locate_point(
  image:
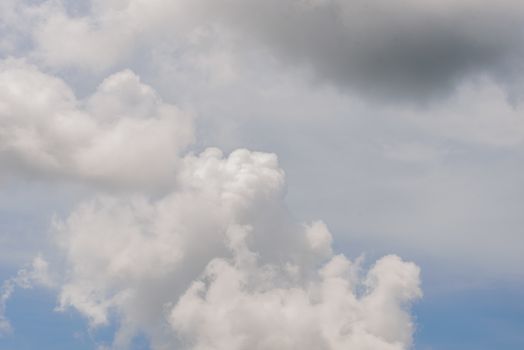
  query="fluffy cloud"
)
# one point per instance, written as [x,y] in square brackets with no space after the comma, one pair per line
[241,305]
[213,259]
[219,263]
[151,248]
[222,263]
[121,135]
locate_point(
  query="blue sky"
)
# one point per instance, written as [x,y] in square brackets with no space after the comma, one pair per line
[247,174]
[486,319]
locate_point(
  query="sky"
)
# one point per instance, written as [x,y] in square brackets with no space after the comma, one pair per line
[248,174]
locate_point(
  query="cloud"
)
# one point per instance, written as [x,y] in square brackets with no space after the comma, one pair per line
[239,304]
[93,35]
[151,248]
[15,25]
[122,135]
[37,274]
[478,114]
[223,241]
[410,50]
[213,259]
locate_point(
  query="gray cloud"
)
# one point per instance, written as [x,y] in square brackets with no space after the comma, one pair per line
[408,49]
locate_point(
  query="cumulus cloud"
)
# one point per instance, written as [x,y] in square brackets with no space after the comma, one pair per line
[239,304]
[214,259]
[123,134]
[151,247]
[210,264]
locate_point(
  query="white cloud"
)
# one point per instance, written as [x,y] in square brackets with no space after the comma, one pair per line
[100,35]
[136,257]
[241,305]
[122,135]
[158,243]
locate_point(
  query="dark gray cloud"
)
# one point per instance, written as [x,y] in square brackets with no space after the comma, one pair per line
[403,49]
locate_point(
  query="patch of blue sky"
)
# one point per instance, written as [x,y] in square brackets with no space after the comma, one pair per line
[36,324]
[484,318]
